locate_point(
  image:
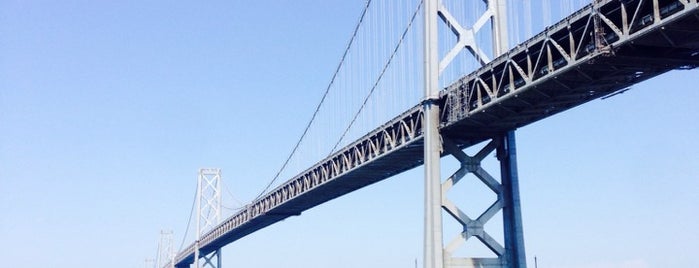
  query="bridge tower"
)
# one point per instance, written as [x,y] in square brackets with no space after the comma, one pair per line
[166,250]
[208,213]
[507,189]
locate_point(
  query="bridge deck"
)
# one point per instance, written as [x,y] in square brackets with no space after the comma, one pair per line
[560,68]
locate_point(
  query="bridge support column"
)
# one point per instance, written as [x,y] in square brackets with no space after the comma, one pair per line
[433,255]
[512,214]
[507,191]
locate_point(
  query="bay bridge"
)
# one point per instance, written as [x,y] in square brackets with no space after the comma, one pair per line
[598,51]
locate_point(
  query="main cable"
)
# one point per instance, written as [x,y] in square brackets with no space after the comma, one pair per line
[189,221]
[322,100]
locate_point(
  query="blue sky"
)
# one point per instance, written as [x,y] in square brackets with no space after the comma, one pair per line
[108,109]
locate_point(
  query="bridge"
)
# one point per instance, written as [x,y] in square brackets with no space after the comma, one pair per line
[596,52]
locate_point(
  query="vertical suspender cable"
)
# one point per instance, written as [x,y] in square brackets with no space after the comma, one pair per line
[322,100]
[378,79]
[527,19]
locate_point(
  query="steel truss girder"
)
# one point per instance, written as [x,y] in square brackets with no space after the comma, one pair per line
[396,134]
[513,254]
[595,31]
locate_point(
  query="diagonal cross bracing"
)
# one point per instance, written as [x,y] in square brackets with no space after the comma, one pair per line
[472,227]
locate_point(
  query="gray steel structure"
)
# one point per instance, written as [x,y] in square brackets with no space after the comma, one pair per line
[512,254]
[208,214]
[597,51]
[166,250]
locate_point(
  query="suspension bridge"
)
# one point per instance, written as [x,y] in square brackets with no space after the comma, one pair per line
[474,95]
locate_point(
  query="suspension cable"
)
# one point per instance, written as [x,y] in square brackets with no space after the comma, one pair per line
[322,100]
[228,190]
[189,221]
[378,79]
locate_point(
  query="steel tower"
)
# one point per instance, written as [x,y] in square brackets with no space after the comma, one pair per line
[208,213]
[507,190]
[166,250]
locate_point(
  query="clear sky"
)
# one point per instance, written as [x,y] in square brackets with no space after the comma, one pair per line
[109,108]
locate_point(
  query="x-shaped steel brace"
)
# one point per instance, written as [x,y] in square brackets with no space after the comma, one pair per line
[472,227]
[209,260]
[210,194]
[466,36]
